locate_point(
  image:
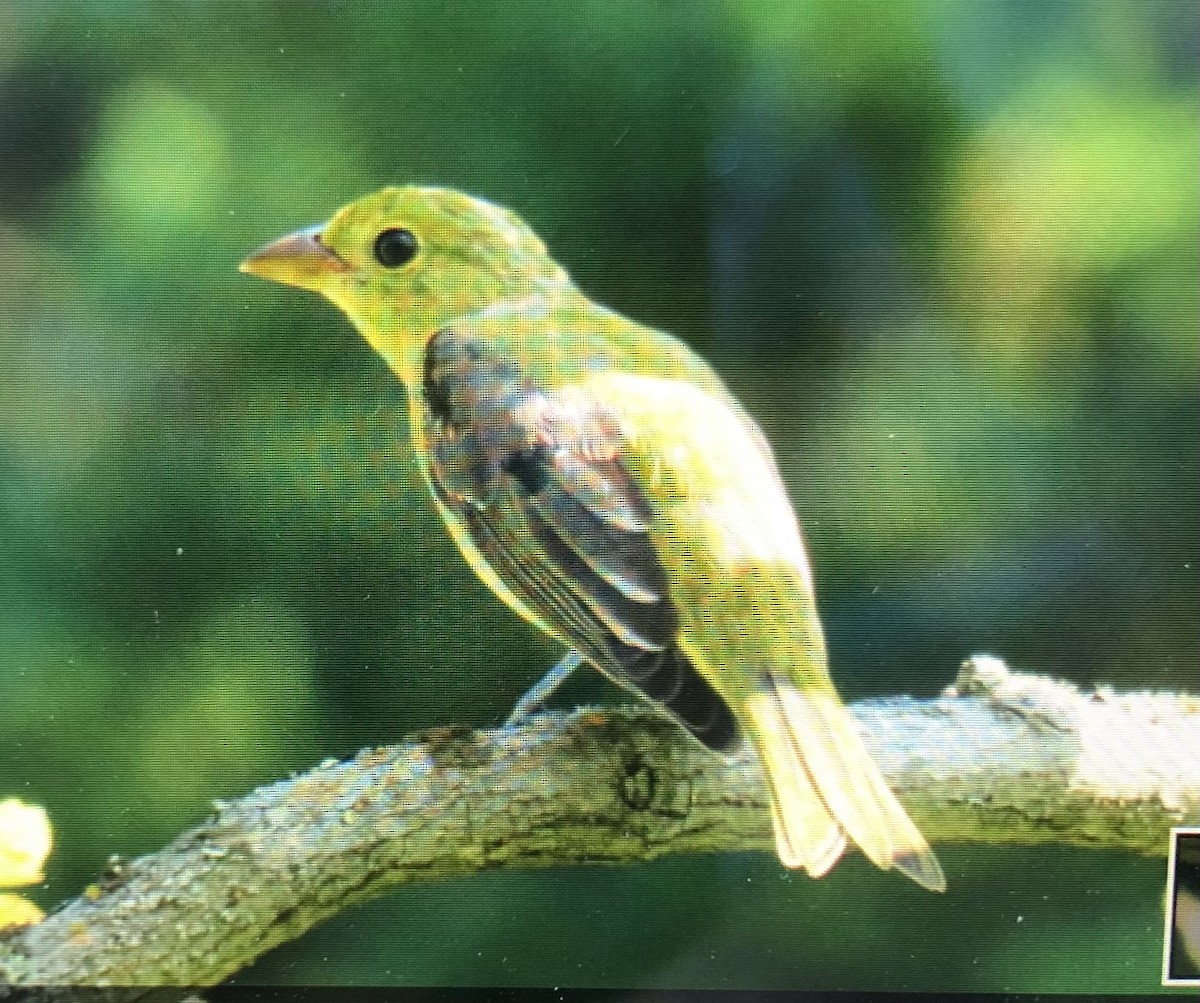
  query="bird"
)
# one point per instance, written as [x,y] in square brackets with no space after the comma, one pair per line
[600,478]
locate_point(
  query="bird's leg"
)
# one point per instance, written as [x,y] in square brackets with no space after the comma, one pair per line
[543,689]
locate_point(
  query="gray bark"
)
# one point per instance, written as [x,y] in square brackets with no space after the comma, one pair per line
[1000,757]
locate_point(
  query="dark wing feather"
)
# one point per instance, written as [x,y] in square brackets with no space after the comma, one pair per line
[537,481]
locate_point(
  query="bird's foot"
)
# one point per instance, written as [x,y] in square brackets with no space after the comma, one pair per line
[536,696]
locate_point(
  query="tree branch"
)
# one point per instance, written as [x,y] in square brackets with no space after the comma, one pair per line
[1000,757]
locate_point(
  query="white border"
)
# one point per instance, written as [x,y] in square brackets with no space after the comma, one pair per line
[1169,909]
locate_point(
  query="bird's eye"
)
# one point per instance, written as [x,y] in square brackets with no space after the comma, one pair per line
[394,248]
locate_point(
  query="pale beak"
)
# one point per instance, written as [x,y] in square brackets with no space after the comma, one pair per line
[299,259]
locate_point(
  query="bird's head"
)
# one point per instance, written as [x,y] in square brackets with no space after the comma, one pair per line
[403,262]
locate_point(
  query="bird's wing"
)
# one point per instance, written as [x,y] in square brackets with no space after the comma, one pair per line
[535,480]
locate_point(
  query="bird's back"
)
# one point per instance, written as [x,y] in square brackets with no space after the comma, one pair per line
[724,526]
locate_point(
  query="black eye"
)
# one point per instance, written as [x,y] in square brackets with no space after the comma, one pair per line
[394,248]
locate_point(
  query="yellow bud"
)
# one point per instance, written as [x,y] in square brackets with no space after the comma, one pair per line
[25,841]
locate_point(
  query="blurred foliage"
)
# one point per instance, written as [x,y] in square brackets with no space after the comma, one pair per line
[947,253]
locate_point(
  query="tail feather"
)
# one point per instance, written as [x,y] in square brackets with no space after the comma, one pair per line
[837,761]
[825,751]
[806,834]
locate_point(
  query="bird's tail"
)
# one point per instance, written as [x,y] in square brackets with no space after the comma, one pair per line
[825,788]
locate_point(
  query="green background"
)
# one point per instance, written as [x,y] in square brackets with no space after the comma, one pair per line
[947,253]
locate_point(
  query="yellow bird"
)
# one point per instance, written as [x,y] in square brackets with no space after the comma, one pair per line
[601,479]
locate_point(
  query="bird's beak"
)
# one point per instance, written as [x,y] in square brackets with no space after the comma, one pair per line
[299,259]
